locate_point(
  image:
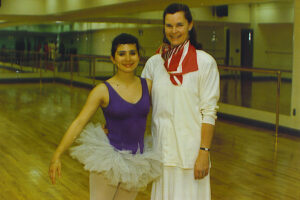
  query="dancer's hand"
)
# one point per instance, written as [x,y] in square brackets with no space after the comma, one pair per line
[201,167]
[105,129]
[55,166]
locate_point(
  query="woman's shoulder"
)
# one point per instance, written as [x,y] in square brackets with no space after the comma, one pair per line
[153,63]
[205,60]
[101,88]
[146,80]
[99,94]
[204,56]
[155,58]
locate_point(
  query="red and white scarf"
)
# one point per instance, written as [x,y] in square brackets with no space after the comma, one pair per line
[179,60]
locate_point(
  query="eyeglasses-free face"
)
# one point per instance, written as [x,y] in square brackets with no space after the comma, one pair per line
[177,28]
[126,57]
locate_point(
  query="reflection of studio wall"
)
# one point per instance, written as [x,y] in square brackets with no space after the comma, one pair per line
[270,51]
[270,22]
[7,39]
[31,40]
[273,36]
[98,42]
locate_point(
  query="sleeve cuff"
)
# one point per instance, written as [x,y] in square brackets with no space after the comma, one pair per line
[209,120]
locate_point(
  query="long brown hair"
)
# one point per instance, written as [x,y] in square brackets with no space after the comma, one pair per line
[177,7]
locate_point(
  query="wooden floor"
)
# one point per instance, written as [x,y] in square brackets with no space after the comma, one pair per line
[234,91]
[33,118]
[252,94]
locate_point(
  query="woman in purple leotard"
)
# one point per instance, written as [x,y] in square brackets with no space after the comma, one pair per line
[118,162]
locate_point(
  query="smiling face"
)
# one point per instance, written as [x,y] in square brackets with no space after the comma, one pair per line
[177,28]
[126,57]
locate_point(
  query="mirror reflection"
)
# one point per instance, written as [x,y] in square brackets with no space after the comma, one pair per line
[237,35]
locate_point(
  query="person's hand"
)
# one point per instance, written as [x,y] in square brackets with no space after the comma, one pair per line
[201,167]
[55,167]
[105,129]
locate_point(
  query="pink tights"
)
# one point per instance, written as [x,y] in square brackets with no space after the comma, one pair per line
[101,190]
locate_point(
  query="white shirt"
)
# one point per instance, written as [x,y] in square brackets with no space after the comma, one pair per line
[179,111]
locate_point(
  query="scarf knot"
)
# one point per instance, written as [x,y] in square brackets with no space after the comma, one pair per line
[179,60]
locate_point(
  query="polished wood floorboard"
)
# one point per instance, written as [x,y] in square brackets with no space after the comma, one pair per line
[251,94]
[33,118]
[256,94]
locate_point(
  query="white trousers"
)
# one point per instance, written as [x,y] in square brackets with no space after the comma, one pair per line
[101,190]
[179,184]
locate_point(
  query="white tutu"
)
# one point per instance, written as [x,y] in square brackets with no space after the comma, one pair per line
[134,171]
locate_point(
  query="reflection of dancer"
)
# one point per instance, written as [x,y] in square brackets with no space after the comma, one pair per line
[118,163]
[184,96]
[20,48]
[52,50]
[3,53]
[62,51]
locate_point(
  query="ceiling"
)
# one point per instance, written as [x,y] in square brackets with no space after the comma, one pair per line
[20,12]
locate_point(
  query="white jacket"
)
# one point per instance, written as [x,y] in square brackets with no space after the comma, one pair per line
[179,111]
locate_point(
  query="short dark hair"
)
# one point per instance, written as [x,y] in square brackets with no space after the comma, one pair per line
[124,38]
[177,7]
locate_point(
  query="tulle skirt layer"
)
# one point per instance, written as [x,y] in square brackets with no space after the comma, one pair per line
[134,171]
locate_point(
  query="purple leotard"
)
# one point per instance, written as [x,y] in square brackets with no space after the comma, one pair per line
[126,122]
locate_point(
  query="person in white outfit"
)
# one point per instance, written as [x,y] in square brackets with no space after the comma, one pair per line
[185,92]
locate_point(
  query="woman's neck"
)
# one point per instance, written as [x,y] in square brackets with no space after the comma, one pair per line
[173,46]
[125,77]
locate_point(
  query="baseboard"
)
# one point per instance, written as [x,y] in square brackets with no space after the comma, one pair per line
[251,122]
